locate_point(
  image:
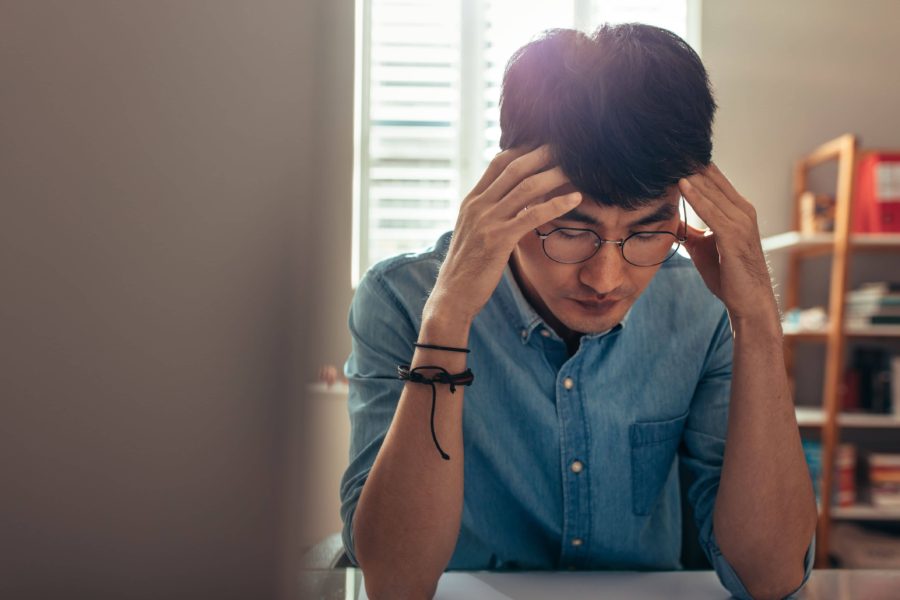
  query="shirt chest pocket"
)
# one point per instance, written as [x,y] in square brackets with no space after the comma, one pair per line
[653,448]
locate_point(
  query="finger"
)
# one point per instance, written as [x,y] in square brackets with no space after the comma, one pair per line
[711,190]
[706,209]
[500,161]
[517,170]
[533,190]
[539,214]
[731,193]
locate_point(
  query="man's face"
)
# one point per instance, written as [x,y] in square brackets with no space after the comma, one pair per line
[594,295]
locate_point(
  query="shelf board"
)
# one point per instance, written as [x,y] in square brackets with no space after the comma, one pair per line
[810,241]
[815,417]
[849,331]
[865,512]
[339,389]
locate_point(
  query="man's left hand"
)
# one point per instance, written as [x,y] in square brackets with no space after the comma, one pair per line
[729,256]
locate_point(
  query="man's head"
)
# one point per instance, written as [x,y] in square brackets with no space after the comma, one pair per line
[626,113]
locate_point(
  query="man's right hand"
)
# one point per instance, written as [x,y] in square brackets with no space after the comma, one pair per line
[507,203]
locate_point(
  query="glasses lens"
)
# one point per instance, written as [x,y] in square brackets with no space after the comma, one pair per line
[571,245]
[651,248]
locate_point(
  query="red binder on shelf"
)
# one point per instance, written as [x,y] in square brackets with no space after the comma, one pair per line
[876,197]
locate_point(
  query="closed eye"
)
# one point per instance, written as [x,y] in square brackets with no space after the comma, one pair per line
[647,234]
[572,234]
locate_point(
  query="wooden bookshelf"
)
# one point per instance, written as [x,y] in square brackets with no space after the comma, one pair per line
[815,417]
[821,335]
[824,242]
[865,512]
[840,245]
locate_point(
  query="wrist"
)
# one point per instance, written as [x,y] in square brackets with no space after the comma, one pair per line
[441,331]
[444,316]
[763,326]
[445,330]
[760,315]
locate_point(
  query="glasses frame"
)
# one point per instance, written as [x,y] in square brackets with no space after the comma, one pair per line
[620,243]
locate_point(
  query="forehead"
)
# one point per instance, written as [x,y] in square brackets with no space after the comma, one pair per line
[594,213]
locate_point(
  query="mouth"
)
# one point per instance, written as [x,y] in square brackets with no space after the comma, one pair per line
[596,306]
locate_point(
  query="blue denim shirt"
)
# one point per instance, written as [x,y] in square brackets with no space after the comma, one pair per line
[570,462]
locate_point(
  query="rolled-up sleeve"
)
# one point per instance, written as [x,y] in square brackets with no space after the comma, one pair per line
[382,337]
[703,452]
[733,583]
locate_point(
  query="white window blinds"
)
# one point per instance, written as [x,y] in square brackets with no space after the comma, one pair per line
[428,88]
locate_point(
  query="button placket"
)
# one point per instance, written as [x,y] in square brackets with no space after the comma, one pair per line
[576,492]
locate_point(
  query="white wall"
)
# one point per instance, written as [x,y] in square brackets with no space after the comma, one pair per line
[791,75]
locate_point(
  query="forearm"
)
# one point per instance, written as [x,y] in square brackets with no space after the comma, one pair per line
[407,520]
[765,512]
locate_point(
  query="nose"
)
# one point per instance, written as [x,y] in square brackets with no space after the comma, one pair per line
[605,271]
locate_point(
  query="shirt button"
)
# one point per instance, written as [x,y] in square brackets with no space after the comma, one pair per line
[545,332]
[524,333]
[577,541]
[568,383]
[577,466]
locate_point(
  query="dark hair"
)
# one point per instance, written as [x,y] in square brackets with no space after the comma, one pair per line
[627,111]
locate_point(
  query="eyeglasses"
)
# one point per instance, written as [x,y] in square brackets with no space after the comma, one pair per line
[572,245]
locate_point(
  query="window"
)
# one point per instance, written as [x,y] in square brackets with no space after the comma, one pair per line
[427,102]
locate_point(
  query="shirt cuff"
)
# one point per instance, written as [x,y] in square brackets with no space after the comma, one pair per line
[733,583]
[347,539]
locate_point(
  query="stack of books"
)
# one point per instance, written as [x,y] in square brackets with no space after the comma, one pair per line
[843,492]
[875,303]
[872,382]
[884,478]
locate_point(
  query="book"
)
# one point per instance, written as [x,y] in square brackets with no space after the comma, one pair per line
[844,481]
[876,288]
[895,385]
[845,475]
[884,479]
[875,303]
[850,391]
[873,373]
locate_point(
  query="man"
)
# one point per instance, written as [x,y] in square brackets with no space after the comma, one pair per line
[601,358]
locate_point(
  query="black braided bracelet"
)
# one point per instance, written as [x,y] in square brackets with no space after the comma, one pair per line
[447,348]
[442,376]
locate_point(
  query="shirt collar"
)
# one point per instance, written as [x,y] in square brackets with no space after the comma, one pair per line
[529,319]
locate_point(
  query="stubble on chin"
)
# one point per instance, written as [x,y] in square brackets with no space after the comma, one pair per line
[588,325]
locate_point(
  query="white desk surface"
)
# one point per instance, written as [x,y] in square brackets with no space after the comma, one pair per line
[614,585]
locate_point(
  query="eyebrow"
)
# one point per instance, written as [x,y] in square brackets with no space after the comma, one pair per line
[663,213]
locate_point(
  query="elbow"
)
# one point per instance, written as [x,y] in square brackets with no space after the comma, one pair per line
[389,586]
[770,592]
[388,576]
